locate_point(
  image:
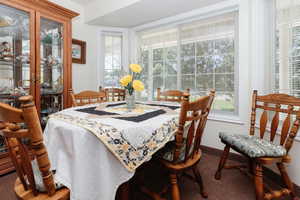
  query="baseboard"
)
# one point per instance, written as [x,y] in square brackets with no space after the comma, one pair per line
[270,174]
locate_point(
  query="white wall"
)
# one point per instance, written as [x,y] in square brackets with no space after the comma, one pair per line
[84,75]
[241,123]
[255,61]
[253,57]
[217,123]
[99,8]
[255,52]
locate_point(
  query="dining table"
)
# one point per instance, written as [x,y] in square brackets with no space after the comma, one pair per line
[97,147]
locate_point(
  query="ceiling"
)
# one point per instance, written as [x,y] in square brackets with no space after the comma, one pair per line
[83,2]
[145,11]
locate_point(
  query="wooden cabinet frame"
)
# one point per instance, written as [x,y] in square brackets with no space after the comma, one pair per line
[38,9]
[49,10]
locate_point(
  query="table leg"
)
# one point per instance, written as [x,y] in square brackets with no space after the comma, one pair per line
[124,191]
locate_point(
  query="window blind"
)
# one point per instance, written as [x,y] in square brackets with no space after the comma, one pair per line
[287,67]
[112,59]
[199,55]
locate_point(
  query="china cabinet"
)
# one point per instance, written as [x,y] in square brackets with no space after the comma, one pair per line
[35,57]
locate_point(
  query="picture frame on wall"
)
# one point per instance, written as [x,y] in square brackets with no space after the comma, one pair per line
[78,51]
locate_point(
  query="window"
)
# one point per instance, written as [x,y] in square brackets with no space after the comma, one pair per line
[287,57]
[199,55]
[112,59]
[159,60]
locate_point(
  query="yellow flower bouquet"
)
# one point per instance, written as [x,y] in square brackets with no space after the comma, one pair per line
[131,83]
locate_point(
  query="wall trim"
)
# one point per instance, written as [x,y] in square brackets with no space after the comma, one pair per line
[233,119]
[197,14]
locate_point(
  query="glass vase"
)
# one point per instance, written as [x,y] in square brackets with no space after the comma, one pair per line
[130,101]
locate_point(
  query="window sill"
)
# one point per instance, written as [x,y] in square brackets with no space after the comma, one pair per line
[226,118]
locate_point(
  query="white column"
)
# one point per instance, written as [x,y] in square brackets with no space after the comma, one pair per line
[100,60]
[179,84]
[262,48]
[284,38]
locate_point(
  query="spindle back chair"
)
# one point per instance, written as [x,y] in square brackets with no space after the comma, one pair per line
[280,104]
[185,153]
[115,94]
[22,132]
[276,103]
[87,97]
[171,95]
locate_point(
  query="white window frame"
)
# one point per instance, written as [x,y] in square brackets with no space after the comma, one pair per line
[284,76]
[234,115]
[125,50]
[284,85]
[245,52]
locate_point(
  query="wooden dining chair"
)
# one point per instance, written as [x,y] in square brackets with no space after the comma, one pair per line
[171,95]
[115,94]
[23,134]
[261,150]
[87,97]
[184,153]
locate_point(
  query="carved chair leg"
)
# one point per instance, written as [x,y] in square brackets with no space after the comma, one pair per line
[174,187]
[154,195]
[258,181]
[250,164]
[200,182]
[222,162]
[286,179]
[125,191]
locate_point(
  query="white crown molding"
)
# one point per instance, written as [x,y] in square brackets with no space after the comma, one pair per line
[200,13]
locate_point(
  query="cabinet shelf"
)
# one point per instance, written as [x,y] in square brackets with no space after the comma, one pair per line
[6,69]
[2,62]
[10,63]
[44,66]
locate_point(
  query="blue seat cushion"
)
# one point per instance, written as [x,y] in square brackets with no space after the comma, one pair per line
[253,146]
[167,153]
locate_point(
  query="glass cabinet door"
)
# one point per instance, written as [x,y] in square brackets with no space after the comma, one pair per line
[14,54]
[51,67]
[14,57]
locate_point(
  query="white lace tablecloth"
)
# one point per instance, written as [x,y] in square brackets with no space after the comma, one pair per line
[88,166]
